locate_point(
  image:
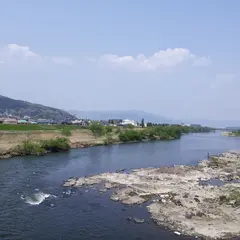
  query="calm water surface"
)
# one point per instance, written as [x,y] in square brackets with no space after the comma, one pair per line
[34,205]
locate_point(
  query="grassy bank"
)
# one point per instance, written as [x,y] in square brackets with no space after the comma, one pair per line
[46,146]
[236,133]
[167,132]
[26,140]
[232,134]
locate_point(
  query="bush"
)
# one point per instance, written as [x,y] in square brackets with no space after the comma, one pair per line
[97,129]
[109,140]
[131,135]
[109,129]
[236,133]
[55,145]
[118,130]
[30,148]
[163,132]
[66,132]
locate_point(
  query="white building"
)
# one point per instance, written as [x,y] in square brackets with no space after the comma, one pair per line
[126,122]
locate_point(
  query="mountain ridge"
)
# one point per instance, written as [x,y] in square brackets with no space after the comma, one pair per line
[23,108]
[136,115]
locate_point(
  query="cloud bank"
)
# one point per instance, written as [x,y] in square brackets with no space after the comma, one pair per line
[15,53]
[162,59]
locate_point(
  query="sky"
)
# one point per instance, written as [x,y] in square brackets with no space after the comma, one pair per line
[178,59]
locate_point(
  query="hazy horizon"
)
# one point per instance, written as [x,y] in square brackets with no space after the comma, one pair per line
[175,60]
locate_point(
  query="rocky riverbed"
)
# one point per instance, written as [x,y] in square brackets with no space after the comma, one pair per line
[200,201]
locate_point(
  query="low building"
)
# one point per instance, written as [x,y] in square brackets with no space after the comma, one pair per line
[76,122]
[104,122]
[115,122]
[23,121]
[195,125]
[126,122]
[10,121]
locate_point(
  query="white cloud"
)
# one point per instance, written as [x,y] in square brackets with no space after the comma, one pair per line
[14,53]
[162,59]
[222,80]
[18,50]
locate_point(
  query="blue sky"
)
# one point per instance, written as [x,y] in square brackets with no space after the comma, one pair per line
[179,59]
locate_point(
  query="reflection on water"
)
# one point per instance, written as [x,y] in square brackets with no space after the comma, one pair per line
[34,205]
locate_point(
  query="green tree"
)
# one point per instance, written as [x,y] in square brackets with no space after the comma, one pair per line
[142,123]
[149,124]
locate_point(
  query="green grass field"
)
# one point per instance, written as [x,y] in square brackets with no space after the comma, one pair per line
[35,127]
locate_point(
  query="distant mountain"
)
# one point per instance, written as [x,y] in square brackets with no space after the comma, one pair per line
[35,111]
[150,117]
[130,114]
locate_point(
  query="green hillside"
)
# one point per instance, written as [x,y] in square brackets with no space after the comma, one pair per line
[35,111]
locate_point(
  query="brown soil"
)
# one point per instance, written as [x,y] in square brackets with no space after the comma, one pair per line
[79,138]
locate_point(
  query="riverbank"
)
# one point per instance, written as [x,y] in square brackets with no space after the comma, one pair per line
[32,142]
[9,141]
[231,134]
[200,201]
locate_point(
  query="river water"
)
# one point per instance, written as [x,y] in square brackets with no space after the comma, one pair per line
[34,205]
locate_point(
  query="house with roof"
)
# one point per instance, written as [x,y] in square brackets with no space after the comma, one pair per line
[127,122]
[10,121]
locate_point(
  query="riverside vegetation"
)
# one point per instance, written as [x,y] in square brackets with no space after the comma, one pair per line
[235,133]
[64,137]
[33,148]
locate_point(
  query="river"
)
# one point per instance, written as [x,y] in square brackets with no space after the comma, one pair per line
[34,205]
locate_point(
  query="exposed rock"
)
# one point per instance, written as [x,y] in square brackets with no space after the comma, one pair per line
[176,198]
[102,190]
[138,220]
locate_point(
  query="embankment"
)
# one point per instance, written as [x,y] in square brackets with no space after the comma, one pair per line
[201,201]
[23,137]
[9,141]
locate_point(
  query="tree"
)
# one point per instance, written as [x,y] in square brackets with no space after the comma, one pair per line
[149,124]
[142,123]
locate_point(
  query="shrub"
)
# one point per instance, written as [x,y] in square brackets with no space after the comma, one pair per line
[66,132]
[131,135]
[109,129]
[29,148]
[97,129]
[55,145]
[118,130]
[109,140]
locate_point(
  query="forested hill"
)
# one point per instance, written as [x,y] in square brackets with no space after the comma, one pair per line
[21,108]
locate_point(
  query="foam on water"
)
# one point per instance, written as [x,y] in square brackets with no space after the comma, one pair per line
[36,198]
